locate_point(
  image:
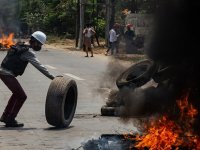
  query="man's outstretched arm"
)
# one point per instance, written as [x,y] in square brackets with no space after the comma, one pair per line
[30,57]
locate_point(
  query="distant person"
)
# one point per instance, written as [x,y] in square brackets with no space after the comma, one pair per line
[95,36]
[88,32]
[13,65]
[129,36]
[108,48]
[113,40]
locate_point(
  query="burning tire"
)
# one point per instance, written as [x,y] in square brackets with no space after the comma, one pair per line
[111,111]
[136,75]
[107,111]
[61,102]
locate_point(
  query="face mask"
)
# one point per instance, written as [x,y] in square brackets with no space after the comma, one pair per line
[37,48]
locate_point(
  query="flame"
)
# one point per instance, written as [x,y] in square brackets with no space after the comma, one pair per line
[166,134]
[162,136]
[7,41]
[186,108]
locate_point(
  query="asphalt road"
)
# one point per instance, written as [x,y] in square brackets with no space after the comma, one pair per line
[37,134]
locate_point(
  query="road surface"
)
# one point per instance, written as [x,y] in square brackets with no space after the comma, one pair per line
[37,134]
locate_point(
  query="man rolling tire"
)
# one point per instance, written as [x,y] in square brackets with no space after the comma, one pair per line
[13,65]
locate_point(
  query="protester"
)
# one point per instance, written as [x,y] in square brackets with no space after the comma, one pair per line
[113,40]
[13,65]
[129,36]
[94,37]
[88,32]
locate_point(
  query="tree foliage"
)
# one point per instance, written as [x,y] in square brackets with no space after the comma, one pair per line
[52,16]
[58,17]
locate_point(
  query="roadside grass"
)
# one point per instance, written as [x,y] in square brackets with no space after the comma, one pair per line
[51,39]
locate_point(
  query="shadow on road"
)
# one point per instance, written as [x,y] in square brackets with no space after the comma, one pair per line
[2,127]
[57,129]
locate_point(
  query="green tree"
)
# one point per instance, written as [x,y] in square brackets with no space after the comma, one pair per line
[52,16]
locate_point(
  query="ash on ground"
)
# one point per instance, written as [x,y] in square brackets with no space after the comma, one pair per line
[108,142]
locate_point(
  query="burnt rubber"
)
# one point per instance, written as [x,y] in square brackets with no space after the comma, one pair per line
[136,75]
[61,101]
[108,111]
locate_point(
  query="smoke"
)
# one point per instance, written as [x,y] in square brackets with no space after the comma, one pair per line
[176,32]
[9,13]
[114,69]
[174,46]
[107,82]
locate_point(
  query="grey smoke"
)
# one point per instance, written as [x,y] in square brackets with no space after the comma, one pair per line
[9,16]
[174,44]
[107,82]
[143,102]
[114,69]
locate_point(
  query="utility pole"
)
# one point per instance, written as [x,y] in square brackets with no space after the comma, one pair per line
[77,22]
[82,10]
[112,20]
[108,18]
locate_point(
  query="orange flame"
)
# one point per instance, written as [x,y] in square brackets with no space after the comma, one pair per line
[162,136]
[166,134]
[7,41]
[187,110]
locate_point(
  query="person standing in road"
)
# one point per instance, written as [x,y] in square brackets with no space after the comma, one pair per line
[13,65]
[113,40]
[129,35]
[88,32]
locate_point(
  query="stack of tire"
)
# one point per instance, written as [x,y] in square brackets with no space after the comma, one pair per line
[134,77]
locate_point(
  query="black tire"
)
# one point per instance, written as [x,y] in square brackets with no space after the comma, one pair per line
[137,75]
[61,102]
[108,111]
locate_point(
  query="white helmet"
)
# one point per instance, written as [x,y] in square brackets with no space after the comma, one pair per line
[40,36]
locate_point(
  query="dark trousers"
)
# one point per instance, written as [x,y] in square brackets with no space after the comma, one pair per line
[16,100]
[114,47]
